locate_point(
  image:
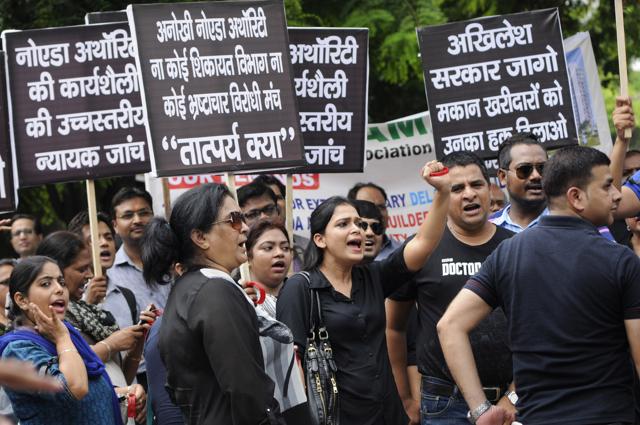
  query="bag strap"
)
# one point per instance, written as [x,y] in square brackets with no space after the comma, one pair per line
[312,317]
[130,298]
[320,318]
[317,328]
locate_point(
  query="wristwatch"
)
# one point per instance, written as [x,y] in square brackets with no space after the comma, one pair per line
[512,396]
[474,414]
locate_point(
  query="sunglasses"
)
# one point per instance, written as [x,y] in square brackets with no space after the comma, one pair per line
[236,219]
[523,171]
[376,228]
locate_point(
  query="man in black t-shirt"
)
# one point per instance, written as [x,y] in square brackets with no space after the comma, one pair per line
[468,239]
[572,299]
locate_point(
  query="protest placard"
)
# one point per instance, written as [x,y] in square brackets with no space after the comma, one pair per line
[330,67]
[75,107]
[7,185]
[491,77]
[217,85]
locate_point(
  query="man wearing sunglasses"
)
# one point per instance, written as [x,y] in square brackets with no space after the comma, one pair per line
[467,241]
[373,229]
[521,159]
[375,194]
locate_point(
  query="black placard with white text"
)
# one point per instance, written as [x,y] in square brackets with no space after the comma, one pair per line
[330,68]
[217,86]
[489,78]
[75,105]
[7,188]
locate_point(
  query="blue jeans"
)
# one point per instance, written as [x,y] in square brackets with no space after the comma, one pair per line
[441,410]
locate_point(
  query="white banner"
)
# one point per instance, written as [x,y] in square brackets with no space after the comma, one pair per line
[588,103]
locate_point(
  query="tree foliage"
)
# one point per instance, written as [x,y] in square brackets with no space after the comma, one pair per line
[395,79]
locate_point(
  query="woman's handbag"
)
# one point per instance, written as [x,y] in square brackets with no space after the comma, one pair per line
[320,367]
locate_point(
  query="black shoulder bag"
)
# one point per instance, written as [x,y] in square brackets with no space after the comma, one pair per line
[320,367]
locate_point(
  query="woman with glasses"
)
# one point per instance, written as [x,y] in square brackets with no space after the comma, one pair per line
[352,299]
[209,338]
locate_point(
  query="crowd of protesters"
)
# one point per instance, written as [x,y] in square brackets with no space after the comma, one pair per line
[499,309]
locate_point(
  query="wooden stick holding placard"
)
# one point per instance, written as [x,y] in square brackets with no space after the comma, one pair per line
[288,197]
[622,57]
[166,198]
[93,226]
[245,273]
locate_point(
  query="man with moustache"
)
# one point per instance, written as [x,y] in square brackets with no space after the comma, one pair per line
[468,239]
[573,304]
[521,159]
[116,299]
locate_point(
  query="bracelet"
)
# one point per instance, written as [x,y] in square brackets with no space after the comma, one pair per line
[474,414]
[137,359]
[108,348]
[67,350]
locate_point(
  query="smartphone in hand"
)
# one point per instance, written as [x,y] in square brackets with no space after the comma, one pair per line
[153,309]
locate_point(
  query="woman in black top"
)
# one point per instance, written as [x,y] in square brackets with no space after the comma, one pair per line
[208,340]
[352,298]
